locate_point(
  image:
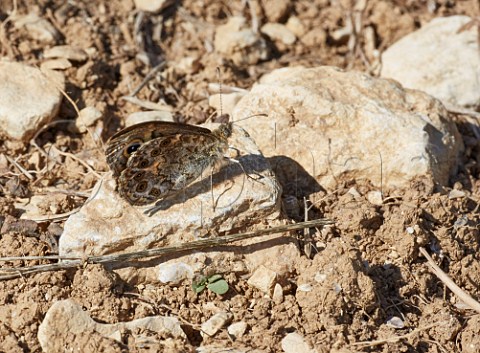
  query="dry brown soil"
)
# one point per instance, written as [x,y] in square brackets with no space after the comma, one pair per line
[376,236]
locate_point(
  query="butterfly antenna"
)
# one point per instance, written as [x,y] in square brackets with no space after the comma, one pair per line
[219,75]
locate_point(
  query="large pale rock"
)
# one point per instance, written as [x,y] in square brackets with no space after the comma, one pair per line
[29,98]
[107,223]
[440,59]
[65,321]
[330,124]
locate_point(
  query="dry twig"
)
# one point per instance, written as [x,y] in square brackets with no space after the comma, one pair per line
[19,167]
[394,339]
[10,273]
[147,78]
[442,276]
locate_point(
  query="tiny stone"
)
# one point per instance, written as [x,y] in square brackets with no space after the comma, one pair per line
[294,342]
[237,329]
[87,117]
[37,28]
[456,194]
[305,287]
[276,10]
[151,5]
[375,198]
[320,277]
[315,37]
[56,64]
[215,323]
[263,279]
[295,25]
[66,52]
[55,229]
[279,32]
[277,294]
[189,65]
[237,40]
[395,322]
[174,272]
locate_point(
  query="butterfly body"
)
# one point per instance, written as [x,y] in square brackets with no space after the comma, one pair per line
[154,160]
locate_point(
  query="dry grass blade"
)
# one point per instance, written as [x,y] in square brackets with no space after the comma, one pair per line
[147,104]
[10,273]
[394,339]
[19,167]
[53,218]
[442,276]
[147,78]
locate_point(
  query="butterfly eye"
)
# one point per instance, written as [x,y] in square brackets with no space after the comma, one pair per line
[132,148]
[139,175]
[141,187]
[155,192]
[144,163]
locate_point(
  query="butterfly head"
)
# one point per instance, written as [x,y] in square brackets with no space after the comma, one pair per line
[224,131]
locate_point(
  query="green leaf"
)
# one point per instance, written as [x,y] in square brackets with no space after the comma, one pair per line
[198,287]
[214,278]
[219,287]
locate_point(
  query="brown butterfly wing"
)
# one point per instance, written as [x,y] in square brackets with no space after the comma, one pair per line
[125,142]
[165,165]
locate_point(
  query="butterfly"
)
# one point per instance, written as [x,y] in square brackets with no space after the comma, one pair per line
[156,159]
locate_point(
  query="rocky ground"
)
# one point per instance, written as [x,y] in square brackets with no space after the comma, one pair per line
[393,185]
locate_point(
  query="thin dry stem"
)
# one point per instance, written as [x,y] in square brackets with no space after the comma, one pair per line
[147,104]
[442,276]
[10,273]
[19,167]
[67,154]
[147,78]
[394,339]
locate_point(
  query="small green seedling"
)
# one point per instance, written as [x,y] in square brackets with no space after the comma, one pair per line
[215,283]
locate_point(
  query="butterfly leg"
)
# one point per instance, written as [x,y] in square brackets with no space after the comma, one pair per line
[258,176]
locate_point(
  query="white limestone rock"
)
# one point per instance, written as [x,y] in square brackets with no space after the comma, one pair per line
[327,124]
[29,98]
[66,320]
[107,223]
[440,59]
